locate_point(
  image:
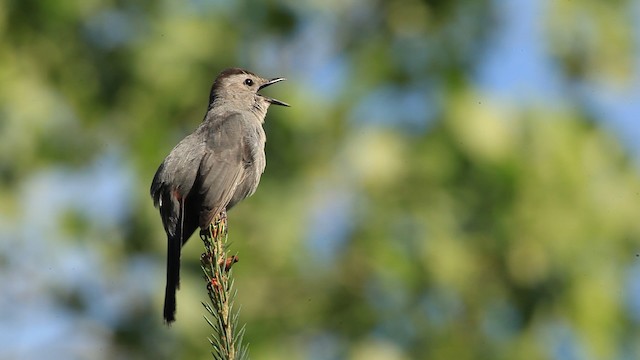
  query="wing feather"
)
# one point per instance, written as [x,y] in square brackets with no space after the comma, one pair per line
[221,169]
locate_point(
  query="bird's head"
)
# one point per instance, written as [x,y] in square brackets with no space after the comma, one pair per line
[238,88]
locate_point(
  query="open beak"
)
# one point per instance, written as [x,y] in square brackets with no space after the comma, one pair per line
[272,100]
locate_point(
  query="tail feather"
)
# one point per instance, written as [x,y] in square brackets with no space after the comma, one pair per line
[174,246]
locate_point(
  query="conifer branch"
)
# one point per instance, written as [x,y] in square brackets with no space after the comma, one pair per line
[226,338]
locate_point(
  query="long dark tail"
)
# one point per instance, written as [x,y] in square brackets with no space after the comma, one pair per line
[174,246]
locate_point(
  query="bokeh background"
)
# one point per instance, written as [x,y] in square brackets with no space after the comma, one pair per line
[454,179]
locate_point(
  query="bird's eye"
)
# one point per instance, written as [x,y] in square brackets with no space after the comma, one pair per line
[248,82]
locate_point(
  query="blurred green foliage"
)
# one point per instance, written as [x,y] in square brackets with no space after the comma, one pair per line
[404,213]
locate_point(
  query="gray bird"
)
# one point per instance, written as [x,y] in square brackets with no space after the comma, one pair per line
[213,168]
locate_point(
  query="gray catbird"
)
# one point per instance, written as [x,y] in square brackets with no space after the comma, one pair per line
[214,167]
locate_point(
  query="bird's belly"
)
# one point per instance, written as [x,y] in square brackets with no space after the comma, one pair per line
[245,188]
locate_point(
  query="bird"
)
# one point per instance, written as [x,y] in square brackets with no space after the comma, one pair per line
[213,168]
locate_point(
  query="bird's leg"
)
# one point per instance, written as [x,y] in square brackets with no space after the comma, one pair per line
[220,227]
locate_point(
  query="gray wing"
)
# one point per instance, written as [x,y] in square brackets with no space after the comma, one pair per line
[174,180]
[222,168]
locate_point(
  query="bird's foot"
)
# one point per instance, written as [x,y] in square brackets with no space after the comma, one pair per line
[217,227]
